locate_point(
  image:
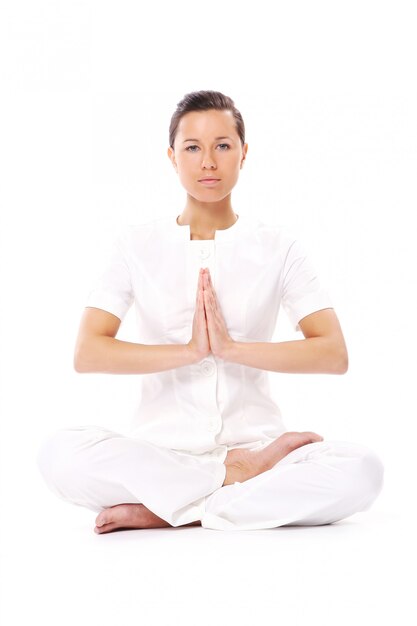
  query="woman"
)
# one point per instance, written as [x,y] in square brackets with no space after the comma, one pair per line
[208,445]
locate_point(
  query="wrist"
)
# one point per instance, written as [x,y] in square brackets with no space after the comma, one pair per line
[229,350]
[193,355]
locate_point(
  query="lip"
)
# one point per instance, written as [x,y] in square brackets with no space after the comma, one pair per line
[209,181]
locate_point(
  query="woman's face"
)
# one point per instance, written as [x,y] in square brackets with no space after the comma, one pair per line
[207,144]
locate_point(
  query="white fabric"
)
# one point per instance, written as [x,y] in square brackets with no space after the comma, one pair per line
[212,405]
[189,417]
[319,483]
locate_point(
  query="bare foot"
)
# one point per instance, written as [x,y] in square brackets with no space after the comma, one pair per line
[243,464]
[130,516]
[240,464]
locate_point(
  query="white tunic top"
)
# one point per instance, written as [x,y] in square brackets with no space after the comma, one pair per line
[214,405]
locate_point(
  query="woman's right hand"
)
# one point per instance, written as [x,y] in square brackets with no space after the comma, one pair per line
[199,342]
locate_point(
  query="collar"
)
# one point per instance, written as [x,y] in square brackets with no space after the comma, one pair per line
[183,232]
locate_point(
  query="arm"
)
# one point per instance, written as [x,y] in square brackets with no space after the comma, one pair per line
[97,349]
[323,351]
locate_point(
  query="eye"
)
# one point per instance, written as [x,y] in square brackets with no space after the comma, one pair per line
[194,146]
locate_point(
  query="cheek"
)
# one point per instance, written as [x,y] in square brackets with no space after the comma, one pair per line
[186,167]
[185,171]
[235,169]
[234,163]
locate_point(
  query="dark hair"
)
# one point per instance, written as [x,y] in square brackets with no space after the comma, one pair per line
[204,101]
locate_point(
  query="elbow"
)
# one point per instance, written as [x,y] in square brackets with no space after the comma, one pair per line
[342,363]
[88,355]
[337,359]
[80,364]
[344,367]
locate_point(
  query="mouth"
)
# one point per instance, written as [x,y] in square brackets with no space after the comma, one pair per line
[209,181]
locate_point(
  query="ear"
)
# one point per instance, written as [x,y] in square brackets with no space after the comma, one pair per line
[171,156]
[245,149]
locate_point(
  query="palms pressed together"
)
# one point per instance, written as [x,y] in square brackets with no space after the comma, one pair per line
[209,335]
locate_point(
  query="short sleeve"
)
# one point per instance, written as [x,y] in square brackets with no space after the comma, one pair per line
[302,292]
[112,290]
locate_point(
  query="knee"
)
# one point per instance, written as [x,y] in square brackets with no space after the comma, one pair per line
[367,479]
[373,473]
[60,458]
[53,456]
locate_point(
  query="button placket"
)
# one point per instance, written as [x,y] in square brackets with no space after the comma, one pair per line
[204,253]
[207,367]
[203,257]
[207,394]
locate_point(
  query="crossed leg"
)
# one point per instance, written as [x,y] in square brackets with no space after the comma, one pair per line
[241,465]
[130,516]
[134,484]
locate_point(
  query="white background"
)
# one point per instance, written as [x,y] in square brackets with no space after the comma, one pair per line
[328,94]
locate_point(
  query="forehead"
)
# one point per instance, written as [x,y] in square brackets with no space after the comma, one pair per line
[207,123]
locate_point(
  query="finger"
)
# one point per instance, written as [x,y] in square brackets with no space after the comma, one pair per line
[200,301]
[210,284]
[211,296]
[206,299]
[199,286]
[207,282]
[201,279]
[209,302]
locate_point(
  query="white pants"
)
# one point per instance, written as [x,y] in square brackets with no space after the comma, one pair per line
[318,483]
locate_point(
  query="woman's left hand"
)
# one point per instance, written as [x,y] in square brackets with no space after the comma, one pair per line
[219,336]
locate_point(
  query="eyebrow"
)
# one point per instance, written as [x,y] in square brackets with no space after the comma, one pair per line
[216,139]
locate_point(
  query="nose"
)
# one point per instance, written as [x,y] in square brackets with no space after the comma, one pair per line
[208,163]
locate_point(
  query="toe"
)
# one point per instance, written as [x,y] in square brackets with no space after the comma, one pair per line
[314,436]
[105,528]
[102,518]
[108,528]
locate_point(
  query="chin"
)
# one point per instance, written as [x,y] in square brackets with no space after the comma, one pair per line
[207,195]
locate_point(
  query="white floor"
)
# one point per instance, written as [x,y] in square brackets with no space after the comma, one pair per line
[56,571]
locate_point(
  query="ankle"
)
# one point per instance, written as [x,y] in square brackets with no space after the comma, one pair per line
[227,464]
[232,475]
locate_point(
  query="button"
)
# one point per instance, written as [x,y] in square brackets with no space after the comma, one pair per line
[207,368]
[204,253]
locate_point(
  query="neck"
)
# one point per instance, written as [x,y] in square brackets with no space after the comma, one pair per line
[205,218]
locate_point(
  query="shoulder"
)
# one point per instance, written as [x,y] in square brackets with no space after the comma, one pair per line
[279,236]
[137,236]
